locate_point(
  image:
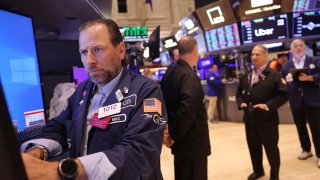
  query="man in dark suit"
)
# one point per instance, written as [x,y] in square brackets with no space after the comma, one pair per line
[187,118]
[260,93]
[304,97]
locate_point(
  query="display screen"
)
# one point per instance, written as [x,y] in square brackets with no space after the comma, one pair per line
[306,24]
[201,43]
[190,25]
[250,9]
[223,37]
[134,34]
[216,14]
[305,5]
[19,71]
[265,29]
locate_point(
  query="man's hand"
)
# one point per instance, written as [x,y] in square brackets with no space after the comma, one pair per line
[39,169]
[167,140]
[243,105]
[305,77]
[36,152]
[261,106]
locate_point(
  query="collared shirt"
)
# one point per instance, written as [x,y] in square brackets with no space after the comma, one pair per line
[299,63]
[97,166]
[256,73]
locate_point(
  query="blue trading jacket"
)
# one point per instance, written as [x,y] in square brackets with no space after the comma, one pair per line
[213,84]
[132,140]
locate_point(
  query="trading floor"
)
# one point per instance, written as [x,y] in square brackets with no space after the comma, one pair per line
[230,158]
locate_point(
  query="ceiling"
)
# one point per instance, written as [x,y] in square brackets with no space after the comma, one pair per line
[58,19]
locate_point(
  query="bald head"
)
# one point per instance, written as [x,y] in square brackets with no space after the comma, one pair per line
[186,45]
[188,50]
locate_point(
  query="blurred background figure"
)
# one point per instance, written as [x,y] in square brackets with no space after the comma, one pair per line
[174,56]
[276,63]
[213,91]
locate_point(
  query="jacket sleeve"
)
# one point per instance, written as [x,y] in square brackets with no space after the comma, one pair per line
[138,154]
[280,95]
[316,75]
[239,95]
[191,97]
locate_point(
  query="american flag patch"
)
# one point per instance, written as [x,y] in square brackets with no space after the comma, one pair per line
[152,105]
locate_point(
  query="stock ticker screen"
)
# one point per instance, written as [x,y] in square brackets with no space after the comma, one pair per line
[223,37]
[305,5]
[306,24]
[265,29]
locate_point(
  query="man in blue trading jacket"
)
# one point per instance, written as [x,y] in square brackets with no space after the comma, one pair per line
[260,93]
[187,123]
[213,91]
[113,124]
[304,98]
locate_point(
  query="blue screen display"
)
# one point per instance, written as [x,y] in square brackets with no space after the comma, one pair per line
[19,71]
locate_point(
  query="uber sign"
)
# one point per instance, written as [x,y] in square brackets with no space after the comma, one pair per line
[215,19]
[262,32]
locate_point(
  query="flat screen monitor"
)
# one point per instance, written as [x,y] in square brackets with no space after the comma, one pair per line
[202,48]
[250,9]
[265,29]
[306,24]
[134,34]
[216,14]
[223,37]
[19,72]
[169,42]
[190,24]
[205,62]
[305,5]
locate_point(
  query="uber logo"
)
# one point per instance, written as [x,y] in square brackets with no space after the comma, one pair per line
[257,3]
[262,32]
[218,19]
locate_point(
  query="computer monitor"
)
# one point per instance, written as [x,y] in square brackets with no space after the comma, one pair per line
[19,70]
[272,28]
[11,166]
[306,24]
[154,44]
[223,37]
[305,5]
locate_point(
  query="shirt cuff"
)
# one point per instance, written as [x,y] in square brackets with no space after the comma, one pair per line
[53,147]
[97,166]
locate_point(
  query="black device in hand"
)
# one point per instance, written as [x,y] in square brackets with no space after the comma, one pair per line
[296,73]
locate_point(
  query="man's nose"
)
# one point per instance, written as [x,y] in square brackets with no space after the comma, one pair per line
[90,59]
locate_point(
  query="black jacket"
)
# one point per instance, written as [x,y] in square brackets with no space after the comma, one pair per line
[270,89]
[187,118]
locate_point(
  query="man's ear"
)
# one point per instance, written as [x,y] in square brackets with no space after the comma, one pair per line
[121,50]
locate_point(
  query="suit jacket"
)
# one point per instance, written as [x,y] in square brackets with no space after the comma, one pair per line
[187,121]
[270,89]
[133,138]
[309,92]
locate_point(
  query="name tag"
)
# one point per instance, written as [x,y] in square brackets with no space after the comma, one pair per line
[100,123]
[109,110]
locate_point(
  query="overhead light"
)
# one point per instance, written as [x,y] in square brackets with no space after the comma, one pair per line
[273,45]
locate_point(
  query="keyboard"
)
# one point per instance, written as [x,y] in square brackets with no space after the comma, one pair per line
[29,133]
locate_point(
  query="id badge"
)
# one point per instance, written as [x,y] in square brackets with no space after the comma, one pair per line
[109,110]
[101,123]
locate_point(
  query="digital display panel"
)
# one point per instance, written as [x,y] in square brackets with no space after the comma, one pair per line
[201,43]
[306,24]
[169,42]
[134,34]
[190,25]
[250,9]
[223,37]
[305,5]
[265,29]
[19,70]
[216,14]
